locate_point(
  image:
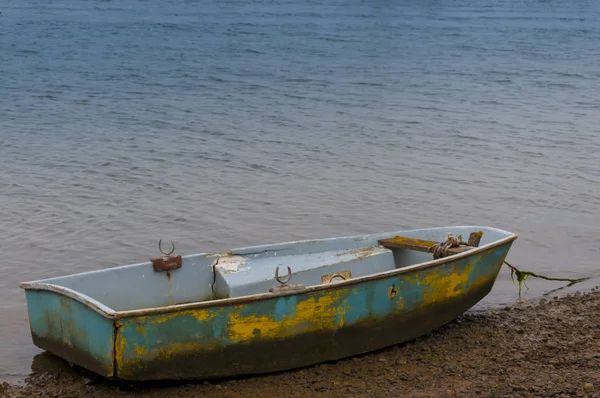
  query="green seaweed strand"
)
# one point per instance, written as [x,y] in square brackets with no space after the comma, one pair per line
[522,276]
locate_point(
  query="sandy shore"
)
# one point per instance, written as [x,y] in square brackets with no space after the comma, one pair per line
[549,348]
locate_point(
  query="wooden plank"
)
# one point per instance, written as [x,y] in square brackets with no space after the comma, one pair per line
[475,238]
[402,242]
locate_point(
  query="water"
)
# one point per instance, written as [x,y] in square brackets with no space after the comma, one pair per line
[234,123]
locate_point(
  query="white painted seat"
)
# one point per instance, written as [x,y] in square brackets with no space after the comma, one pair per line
[241,275]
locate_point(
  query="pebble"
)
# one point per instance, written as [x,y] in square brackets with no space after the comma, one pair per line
[589,387]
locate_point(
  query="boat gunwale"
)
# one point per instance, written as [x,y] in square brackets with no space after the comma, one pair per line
[109,313]
[94,304]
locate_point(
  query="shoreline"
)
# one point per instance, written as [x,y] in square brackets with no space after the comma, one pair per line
[540,348]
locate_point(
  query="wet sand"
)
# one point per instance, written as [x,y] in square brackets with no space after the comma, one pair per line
[549,348]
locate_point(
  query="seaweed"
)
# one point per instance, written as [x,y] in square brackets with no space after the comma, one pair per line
[522,276]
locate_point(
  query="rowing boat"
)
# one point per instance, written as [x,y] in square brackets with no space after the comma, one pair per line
[264,308]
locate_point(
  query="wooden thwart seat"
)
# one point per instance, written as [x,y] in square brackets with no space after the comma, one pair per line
[402,242]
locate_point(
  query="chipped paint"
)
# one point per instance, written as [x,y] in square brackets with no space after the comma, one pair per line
[360,254]
[392,291]
[400,303]
[69,329]
[140,350]
[315,313]
[229,264]
[201,315]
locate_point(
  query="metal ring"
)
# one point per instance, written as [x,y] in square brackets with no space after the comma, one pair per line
[285,280]
[161,250]
[334,277]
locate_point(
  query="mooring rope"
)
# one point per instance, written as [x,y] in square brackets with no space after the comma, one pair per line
[441,249]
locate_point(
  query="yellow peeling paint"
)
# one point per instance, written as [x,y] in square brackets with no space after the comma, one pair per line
[442,285]
[140,350]
[127,367]
[313,314]
[320,313]
[168,352]
[120,344]
[202,315]
[400,304]
[439,286]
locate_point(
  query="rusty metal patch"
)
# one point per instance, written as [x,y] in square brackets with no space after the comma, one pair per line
[166,263]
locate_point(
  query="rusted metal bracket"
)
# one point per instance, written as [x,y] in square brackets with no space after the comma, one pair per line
[166,262]
[284,287]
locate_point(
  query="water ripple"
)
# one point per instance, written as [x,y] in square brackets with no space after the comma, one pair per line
[238,124]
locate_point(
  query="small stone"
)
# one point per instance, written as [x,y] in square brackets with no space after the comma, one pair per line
[321,386]
[382,360]
[588,387]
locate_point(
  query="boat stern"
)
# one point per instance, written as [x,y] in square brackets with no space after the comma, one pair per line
[69,328]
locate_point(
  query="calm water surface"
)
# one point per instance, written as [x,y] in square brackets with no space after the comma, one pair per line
[237,123]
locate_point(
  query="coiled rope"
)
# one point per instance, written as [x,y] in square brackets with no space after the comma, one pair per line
[441,249]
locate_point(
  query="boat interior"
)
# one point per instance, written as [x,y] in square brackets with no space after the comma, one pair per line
[252,270]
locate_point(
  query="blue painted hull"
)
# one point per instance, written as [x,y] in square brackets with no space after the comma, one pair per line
[265,332]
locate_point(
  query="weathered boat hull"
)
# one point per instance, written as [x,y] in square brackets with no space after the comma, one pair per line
[72,330]
[268,332]
[298,330]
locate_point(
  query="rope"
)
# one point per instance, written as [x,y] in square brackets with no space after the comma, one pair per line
[441,249]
